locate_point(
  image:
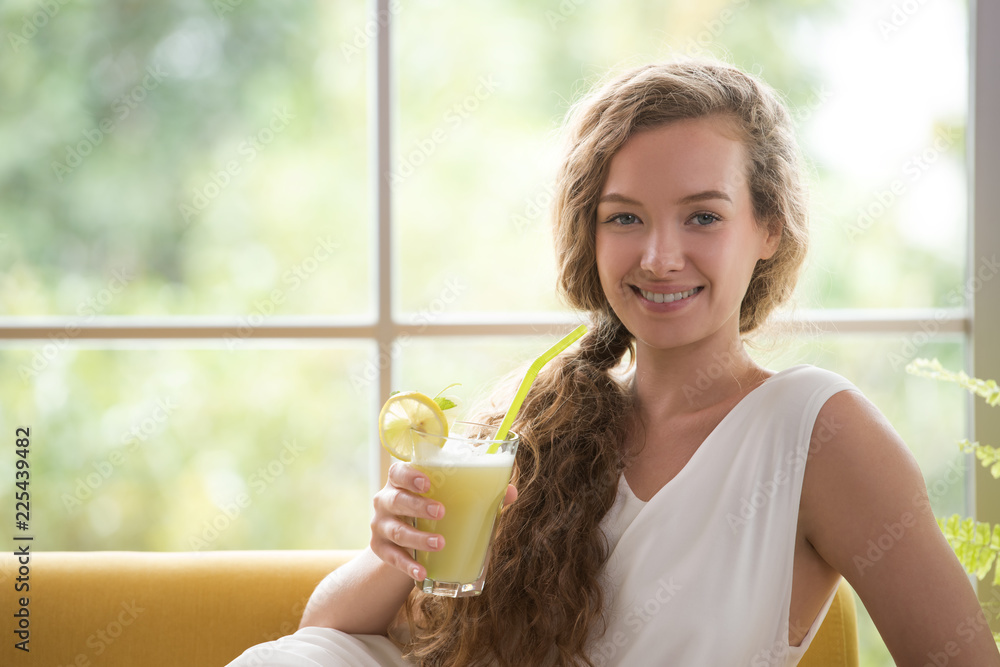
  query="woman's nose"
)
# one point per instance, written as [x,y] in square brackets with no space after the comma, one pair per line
[663,252]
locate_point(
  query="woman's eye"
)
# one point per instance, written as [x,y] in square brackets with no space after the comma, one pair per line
[624,219]
[705,219]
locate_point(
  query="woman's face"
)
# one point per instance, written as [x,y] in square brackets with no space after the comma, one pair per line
[676,236]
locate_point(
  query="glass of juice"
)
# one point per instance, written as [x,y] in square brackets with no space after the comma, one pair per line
[469,474]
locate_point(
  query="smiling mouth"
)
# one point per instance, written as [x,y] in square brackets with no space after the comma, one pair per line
[656,297]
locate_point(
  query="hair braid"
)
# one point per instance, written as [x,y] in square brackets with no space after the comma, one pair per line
[543,589]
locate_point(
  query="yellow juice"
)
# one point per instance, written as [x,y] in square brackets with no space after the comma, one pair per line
[471,495]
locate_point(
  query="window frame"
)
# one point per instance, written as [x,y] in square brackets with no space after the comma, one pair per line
[977,322]
[983,155]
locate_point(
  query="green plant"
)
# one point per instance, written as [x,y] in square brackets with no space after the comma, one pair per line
[976,543]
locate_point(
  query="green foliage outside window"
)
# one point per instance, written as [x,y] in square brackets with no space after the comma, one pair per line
[976,543]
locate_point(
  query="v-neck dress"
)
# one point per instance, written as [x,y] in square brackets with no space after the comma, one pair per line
[701,574]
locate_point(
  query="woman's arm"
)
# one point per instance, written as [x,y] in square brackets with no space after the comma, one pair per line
[365,595]
[362,597]
[866,511]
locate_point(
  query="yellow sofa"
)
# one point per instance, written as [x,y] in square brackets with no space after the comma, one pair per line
[137,609]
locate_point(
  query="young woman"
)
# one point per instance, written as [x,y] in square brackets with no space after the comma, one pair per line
[689,507]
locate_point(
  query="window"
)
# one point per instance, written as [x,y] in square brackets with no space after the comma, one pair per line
[210,287]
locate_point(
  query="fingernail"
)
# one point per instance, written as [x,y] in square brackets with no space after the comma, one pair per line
[434,543]
[416,573]
[423,484]
[435,511]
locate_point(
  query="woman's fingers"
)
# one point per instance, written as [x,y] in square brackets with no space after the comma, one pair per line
[392,540]
[395,556]
[396,505]
[404,476]
[401,561]
[400,533]
[510,496]
[401,494]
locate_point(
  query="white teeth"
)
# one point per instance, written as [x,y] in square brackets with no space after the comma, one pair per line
[667,298]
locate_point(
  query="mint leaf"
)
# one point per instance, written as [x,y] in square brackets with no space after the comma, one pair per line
[444,403]
[393,393]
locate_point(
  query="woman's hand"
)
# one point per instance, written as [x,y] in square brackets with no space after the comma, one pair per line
[399,501]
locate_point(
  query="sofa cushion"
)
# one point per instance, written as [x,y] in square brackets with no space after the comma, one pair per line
[151,608]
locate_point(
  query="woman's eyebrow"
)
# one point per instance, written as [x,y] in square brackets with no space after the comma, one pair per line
[706,195]
[616,198]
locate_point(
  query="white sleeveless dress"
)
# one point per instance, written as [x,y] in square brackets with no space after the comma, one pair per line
[699,575]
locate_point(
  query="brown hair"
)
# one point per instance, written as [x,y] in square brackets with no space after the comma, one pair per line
[543,601]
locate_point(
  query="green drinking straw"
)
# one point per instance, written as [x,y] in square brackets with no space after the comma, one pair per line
[529,378]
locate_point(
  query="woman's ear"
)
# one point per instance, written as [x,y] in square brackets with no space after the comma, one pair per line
[771,240]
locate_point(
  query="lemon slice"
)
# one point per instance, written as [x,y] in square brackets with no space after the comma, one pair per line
[408,418]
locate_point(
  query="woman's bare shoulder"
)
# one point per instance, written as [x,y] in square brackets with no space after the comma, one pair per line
[866,511]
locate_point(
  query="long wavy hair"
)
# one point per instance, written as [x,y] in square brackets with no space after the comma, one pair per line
[544,603]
